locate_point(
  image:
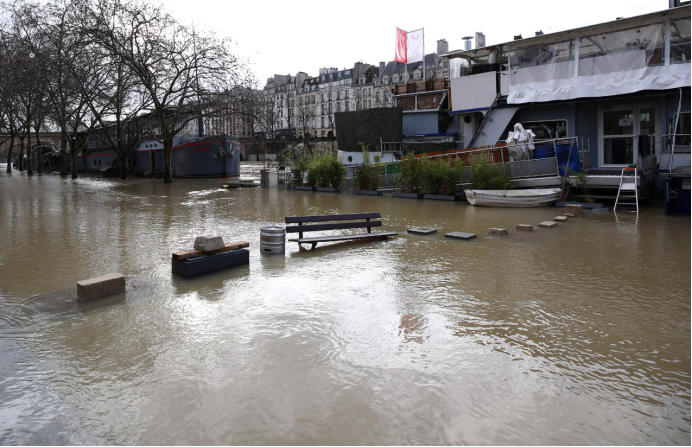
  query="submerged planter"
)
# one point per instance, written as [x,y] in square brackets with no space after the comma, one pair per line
[363,192]
[408,195]
[305,188]
[441,197]
[329,189]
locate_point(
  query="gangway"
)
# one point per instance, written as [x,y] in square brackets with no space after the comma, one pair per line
[627,192]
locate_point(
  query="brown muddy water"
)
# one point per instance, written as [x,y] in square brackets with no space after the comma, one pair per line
[574,335]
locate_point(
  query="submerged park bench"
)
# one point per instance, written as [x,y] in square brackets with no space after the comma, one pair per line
[363,220]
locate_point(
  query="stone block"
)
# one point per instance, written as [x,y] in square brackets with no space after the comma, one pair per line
[547,224]
[560,219]
[105,285]
[209,242]
[421,230]
[524,228]
[573,209]
[569,215]
[461,235]
[498,231]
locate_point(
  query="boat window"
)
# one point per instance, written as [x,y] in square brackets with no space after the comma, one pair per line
[428,101]
[547,130]
[407,103]
[682,132]
[680,41]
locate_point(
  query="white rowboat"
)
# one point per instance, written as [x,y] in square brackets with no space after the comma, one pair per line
[513,197]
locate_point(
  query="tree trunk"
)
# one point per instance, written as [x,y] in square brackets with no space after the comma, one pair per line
[20,163]
[63,156]
[9,155]
[123,165]
[73,159]
[39,154]
[29,168]
[167,155]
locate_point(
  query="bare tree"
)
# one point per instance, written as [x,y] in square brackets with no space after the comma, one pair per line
[182,70]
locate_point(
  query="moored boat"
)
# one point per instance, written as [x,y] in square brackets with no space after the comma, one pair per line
[520,198]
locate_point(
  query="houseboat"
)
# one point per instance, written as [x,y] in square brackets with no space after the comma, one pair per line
[603,97]
[194,155]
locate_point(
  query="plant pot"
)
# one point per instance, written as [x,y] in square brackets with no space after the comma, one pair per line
[441,197]
[408,195]
[305,188]
[367,193]
[329,189]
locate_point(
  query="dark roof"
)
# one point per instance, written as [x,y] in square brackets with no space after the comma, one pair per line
[336,76]
[393,68]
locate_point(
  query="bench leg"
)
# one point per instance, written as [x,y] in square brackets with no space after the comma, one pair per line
[314,244]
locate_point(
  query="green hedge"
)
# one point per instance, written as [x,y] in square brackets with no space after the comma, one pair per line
[365,127]
[425,148]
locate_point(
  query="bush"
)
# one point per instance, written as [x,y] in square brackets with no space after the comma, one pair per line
[439,176]
[486,176]
[367,175]
[325,171]
[410,175]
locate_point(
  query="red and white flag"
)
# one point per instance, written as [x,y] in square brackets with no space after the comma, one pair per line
[414,46]
[400,51]
[409,46]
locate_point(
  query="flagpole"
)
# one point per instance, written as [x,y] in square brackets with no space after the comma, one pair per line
[424,55]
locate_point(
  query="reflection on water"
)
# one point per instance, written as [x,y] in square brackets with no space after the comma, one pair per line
[578,334]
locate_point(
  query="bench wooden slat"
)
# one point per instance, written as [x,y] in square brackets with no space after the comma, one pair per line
[332,217]
[333,226]
[307,240]
[190,254]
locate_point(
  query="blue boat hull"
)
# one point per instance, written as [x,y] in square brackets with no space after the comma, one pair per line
[209,157]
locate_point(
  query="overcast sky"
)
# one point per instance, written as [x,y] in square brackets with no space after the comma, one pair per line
[285,37]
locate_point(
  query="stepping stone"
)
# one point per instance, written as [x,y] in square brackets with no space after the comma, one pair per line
[525,228]
[460,235]
[105,285]
[569,215]
[560,218]
[547,224]
[573,209]
[498,231]
[421,230]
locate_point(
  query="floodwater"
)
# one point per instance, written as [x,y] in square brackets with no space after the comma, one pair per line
[578,334]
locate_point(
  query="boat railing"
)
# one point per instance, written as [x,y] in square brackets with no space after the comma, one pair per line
[671,145]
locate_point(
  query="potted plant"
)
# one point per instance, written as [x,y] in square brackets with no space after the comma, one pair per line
[367,176]
[441,177]
[410,178]
[489,177]
[326,173]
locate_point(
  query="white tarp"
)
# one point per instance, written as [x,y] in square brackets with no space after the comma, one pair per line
[605,64]
[607,84]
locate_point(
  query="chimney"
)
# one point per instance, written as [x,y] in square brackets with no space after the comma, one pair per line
[442,47]
[381,68]
[467,43]
[539,33]
[480,40]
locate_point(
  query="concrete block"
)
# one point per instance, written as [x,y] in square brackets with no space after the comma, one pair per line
[209,242]
[421,230]
[547,224]
[105,285]
[461,235]
[525,228]
[498,231]
[560,218]
[569,215]
[573,209]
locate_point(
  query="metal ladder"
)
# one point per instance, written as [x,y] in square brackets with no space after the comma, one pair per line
[628,190]
[485,118]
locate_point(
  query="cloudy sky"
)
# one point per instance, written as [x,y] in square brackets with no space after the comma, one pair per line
[286,37]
